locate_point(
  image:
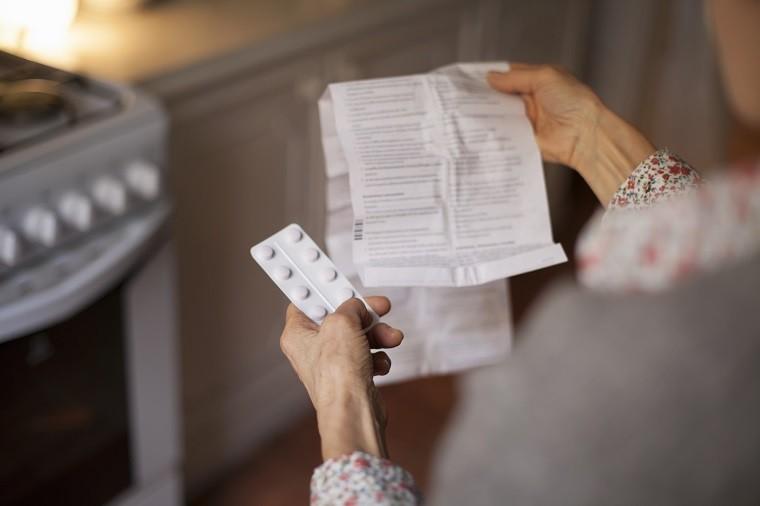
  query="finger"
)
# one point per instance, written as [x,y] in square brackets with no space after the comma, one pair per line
[383,335]
[354,315]
[531,109]
[297,326]
[513,81]
[381,363]
[296,319]
[351,316]
[379,304]
[520,78]
[525,66]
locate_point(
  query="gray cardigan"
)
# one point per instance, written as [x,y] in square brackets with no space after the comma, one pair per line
[610,399]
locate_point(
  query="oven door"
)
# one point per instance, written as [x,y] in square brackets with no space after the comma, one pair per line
[75,420]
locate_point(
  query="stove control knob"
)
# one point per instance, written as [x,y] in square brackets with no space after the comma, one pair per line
[76,210]
[143,179]
[9,247]
[110,194]
[40,225]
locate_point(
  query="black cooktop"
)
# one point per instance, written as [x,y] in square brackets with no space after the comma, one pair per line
[38,102]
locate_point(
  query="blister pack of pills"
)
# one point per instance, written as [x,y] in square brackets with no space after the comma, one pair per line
[304,273]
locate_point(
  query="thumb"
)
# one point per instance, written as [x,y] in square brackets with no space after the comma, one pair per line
[516,80]
[351,316]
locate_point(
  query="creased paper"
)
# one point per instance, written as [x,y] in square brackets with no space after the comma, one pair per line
[446,181]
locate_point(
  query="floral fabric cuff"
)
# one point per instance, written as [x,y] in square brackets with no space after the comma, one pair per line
[661,176]
[362,479]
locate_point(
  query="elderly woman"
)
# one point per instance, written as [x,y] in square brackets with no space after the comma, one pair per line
[642,388]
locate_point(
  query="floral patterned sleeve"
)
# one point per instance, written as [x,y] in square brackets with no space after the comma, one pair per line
[664,224]
[362,479]
[661,176]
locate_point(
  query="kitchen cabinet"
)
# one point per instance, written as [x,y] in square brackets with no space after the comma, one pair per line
[238,150]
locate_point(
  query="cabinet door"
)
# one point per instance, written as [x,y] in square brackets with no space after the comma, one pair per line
[538,32]
[419,43]
[238,175]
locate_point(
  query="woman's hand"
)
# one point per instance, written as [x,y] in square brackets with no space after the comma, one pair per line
[573,127]
[335,364]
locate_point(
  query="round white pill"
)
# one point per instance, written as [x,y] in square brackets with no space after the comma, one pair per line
[263,253]
[299,292]
[345,293]
[282,273]
[293,234]
[311,254]
[328,274]
[317,312]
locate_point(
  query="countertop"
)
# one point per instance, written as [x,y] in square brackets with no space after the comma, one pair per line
[136,47]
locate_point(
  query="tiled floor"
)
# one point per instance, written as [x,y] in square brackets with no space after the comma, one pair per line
[279,473]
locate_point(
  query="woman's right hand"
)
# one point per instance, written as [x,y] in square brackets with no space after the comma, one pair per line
[573,127]
[335,363]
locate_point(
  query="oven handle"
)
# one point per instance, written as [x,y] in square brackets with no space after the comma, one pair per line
[40,309]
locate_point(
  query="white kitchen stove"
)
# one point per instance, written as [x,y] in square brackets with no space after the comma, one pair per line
[86,294]
[68,164]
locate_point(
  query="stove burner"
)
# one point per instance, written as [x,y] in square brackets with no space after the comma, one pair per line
[38,102]
[30,101]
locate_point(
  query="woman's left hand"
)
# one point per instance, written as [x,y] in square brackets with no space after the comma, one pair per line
[573,127]
[335,364]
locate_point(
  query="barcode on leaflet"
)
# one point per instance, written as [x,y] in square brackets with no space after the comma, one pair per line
[358,230]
